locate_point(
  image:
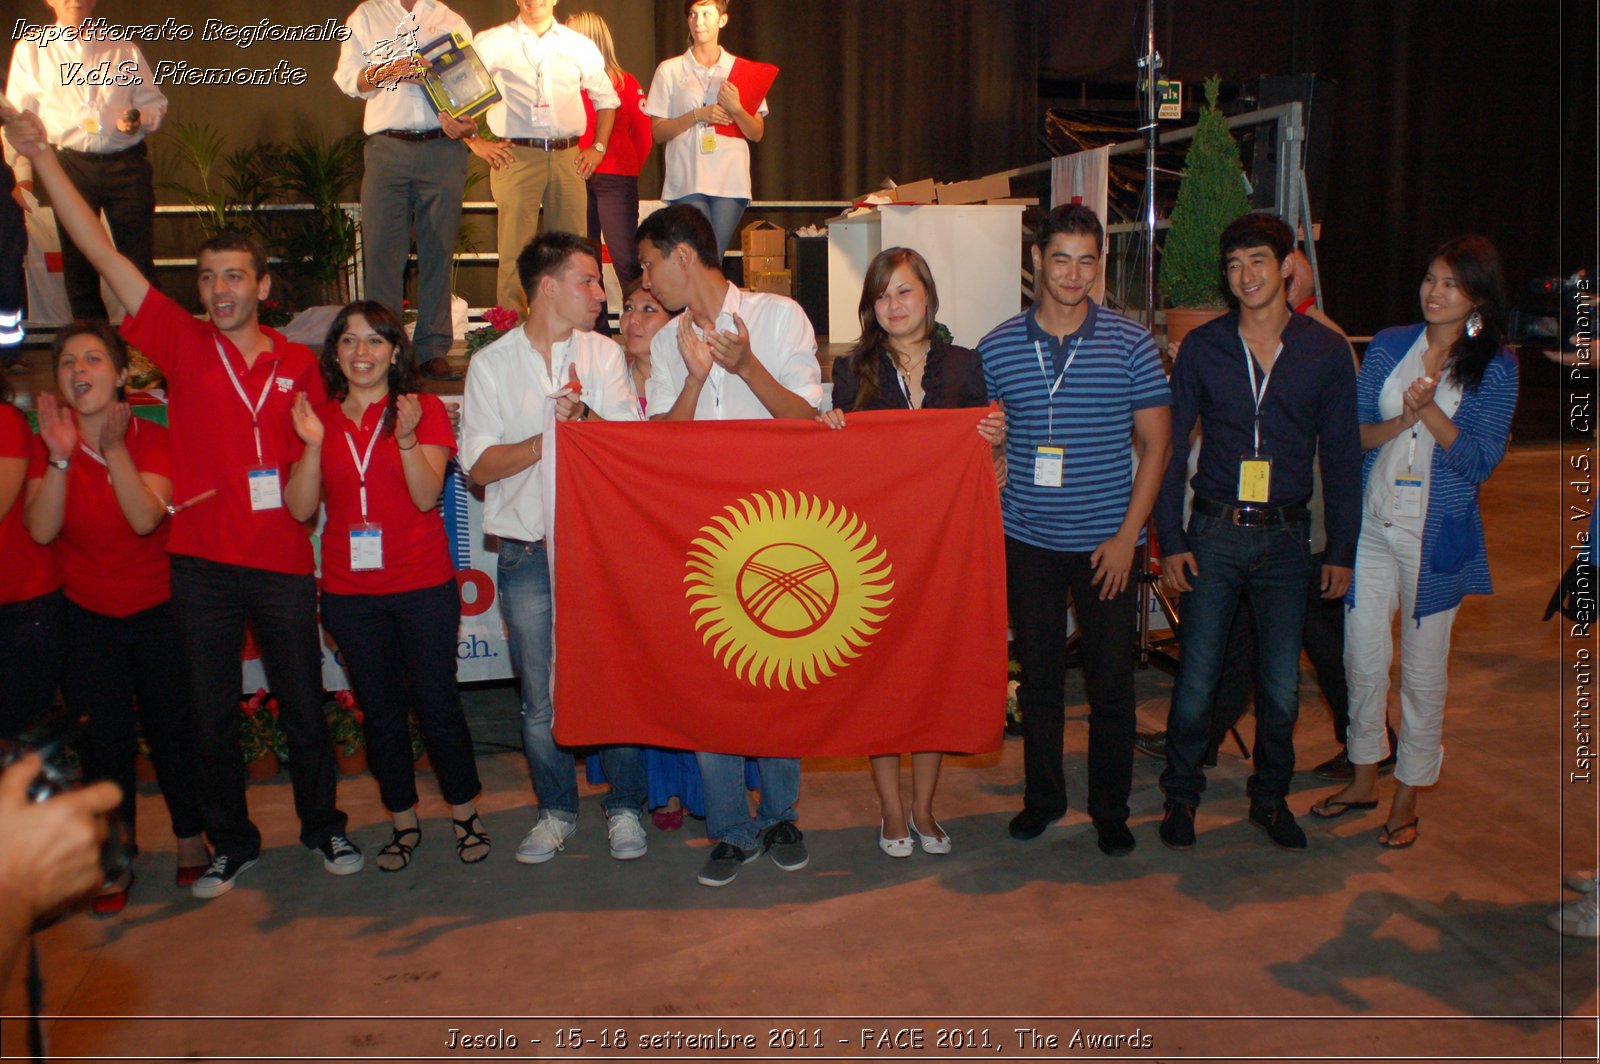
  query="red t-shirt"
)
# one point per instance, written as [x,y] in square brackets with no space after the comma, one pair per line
[105,565]
[631,139]
[212,442]
[27,570]
[416,553]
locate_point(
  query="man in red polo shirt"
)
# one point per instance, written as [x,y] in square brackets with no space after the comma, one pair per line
[237,554]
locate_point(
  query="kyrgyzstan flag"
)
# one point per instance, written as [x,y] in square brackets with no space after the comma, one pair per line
[780,589]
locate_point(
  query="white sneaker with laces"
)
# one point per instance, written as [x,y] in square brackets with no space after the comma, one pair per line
[626,833]
[1580,919]
[548,838]
[1585,881]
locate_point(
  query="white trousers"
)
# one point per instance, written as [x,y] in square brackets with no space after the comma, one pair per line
[1388,559]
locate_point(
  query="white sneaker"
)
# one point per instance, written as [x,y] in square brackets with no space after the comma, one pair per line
[628,840]
[1580,918]
[1584,882]
[548,838]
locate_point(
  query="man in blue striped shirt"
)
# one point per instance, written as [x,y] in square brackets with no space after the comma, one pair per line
[1078,383]
[1270,389]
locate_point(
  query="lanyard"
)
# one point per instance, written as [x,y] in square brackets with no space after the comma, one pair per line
[1258,395]
[1050,418]
[707,95]
[541,93]
[363,461]
[255,411]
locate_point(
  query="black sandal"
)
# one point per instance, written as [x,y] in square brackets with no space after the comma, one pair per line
[470,834]
[396,847]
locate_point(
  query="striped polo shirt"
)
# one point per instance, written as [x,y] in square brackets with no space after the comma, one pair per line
[1112,369]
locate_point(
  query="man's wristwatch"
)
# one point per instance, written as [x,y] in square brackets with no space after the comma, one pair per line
[60,463]
[599,146]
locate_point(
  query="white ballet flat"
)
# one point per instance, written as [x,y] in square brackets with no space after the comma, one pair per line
[935,844]
[895,847]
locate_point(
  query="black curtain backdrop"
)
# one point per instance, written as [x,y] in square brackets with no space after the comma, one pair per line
[1474,115]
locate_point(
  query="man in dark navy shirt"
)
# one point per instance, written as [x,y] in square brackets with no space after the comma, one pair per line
[1269,388]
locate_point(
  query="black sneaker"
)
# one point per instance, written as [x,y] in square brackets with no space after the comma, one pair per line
[1151,744]
[786,845]
[1115,838]
[1338,769]
[341,856]
[219,878]
[723,864]
[1031,823]
[1177,826]
[1279,825]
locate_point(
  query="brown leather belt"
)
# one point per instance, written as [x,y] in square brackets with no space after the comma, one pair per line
[412,135]
[543,143]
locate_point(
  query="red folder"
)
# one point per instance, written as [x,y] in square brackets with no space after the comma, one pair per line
[753,80]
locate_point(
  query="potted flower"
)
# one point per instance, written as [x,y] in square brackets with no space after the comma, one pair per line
[500,321]
[261,737]
[1210,196]
[344,727]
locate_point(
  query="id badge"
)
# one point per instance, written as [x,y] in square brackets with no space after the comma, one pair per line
[366,548]
[708,141]
[1047,464]
[543,116]
[1407,495]
[266,493]
[1255,478]
[91,125]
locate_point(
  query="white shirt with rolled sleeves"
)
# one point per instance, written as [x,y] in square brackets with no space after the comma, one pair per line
[507,401]
[381,31]
[679,86]
[531,70]
[70,112]
[781,338]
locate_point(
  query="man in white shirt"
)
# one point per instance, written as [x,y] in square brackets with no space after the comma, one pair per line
[541,68]
[99,130]
[502,445]
[415,164]
[730,355]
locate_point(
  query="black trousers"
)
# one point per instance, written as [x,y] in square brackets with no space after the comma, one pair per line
[32,649]
[120,184]
[1040,585]
[212,601]
[400,651]
[111,661]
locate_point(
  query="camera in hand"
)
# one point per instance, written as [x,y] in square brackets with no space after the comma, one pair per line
[51,739]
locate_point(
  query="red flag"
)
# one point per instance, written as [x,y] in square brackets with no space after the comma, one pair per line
[777,588]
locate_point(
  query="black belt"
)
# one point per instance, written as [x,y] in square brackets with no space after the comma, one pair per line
[1251,516]
[412,135]
[543,143]
[137,149]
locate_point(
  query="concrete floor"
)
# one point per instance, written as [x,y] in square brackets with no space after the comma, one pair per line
[1233,950]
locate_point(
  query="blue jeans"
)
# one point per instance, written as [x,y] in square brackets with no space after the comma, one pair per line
[523,577]
[1270,568]
[727,810]
[723,212]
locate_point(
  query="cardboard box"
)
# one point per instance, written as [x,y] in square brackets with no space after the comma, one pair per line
[777,282]
[761,239]
[754,264]
[922,191]
[995,186]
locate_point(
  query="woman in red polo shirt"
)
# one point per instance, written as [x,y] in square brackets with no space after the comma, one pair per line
[376,453]
[31,606]
[101,501]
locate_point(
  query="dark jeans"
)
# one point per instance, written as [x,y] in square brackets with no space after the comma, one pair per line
[212,601]
[1269,569]
[33,640]
[110,662]
[400,651]
[614,214]
[122,185]
[1038,585]
[1323,642]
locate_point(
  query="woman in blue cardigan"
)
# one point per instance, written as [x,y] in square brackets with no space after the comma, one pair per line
[1435,403]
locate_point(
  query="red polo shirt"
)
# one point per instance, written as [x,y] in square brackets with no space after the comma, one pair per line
[27,570]
[105,565]
[416,554]
[212,442]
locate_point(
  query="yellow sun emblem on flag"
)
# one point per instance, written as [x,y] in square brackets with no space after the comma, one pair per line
[787,589]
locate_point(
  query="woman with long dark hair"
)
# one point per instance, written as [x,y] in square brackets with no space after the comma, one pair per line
[1435,403]
[900,363]
[376,453]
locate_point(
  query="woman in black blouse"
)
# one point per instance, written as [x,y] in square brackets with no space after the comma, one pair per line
[900,364]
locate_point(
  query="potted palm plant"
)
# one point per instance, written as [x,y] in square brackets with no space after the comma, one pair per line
[319,246]
[1211,194]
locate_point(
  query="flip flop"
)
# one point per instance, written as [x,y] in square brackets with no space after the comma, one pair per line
[1386,835]
[1328,809]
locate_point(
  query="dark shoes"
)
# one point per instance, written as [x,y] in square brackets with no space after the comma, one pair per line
[1338,769]
[724,863]
[438,369]
[1030,823]
[1115,838]
[1177,826]
[1279,825]
[787,846]
[1154,744]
